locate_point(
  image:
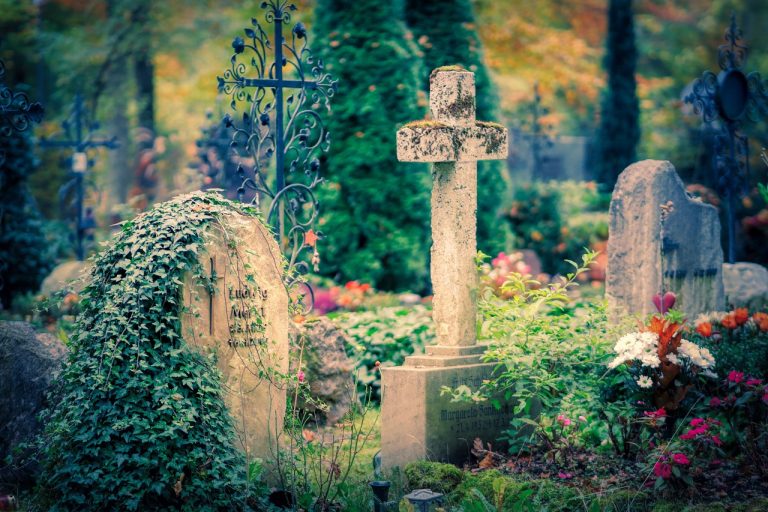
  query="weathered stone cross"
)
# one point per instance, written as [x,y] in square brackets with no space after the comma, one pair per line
[454,141]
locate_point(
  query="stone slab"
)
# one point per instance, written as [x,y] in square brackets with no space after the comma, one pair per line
[419,424]
[245,322]
[433,141]
[689,259]
[746,285]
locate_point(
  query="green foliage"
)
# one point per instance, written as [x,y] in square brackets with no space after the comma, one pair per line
[446,33]
[547,350]
[744,348]
[620,111]
[375,209]
[25,255]
[387,335]
[439,477]
[140,421]
[557,220]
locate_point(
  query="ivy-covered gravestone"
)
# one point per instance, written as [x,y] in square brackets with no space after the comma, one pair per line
[238,310]
[175,365]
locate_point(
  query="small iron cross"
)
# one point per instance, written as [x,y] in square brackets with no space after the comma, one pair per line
[730,98]
[79,137]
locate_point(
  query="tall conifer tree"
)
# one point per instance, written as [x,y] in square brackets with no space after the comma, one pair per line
[620,112]
[375,210]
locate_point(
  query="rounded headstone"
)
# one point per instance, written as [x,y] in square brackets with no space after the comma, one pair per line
[746,285]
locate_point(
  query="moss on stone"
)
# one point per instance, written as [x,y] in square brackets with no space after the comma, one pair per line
[439,477]
[425,123]
[452,67]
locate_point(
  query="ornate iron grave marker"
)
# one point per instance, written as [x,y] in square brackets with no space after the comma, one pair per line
[730,98]
[79,136]
[279,85]
[17,113]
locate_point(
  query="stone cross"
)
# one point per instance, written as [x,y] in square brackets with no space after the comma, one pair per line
[453,141]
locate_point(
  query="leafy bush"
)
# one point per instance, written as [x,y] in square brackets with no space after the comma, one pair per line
[558,220]
[385,336]
[25,255]
[737,339]
[141,422]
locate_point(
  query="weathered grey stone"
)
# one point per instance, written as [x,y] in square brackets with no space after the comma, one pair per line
[417,422]
[29,362]
[245,323]
[69,276]
[689,260]
[327,369]
[746,285]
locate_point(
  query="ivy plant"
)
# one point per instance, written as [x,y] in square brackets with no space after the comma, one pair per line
[140,421]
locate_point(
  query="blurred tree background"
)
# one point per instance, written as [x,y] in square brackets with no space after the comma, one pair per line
[148,71]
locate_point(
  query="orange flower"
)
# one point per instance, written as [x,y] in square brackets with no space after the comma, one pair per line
[705,329]
[741,315]
[729,321]
[669,334]
[761,319]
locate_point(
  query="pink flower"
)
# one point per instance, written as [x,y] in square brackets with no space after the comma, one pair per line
[765,397]
[658,413]
[662,470]
[564,475]
[715,402]
[561,419]
[694,432]
[753,382]
[583,419]
[735,376]
[300,376]
[680,458]
[717,441]
[697,422]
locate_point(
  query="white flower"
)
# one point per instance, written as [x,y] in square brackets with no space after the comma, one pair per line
[640,346]
[644,382]
[698,356]
[672,358]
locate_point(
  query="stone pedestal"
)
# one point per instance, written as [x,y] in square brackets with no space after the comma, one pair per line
[422,425]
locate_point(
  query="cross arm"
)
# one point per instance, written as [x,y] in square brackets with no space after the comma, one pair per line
[433,141]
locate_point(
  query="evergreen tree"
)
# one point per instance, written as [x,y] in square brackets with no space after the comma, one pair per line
[445,29]
[375,210]
[620,112]
[24,253]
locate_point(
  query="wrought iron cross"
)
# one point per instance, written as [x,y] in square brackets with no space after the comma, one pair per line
[17,113]
[79,136]
[279,84]
[730,98]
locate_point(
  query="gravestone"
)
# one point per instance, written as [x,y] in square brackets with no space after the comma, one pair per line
[241,314]
[687,259]
[417,422]
[746,285]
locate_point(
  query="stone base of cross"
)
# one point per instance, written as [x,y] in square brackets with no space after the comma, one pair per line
[417,422]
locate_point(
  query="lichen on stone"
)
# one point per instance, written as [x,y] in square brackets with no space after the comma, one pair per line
[453,67]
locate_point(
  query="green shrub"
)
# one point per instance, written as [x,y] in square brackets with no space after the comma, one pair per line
[375,209]
[140,421]
[386,335]
[25,255]
[734,347]
[439,477]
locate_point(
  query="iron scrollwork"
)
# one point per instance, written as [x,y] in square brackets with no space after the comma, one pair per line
[17,113]
[280,123]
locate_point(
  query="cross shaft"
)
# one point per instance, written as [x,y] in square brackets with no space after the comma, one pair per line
[453,141]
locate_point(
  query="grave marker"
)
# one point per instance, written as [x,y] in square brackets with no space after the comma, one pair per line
[241,314]
[417,422]
[688,259]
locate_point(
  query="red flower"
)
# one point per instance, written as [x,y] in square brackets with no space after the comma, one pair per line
[697,422]
[741,315]
[735,376]
[680,458]
[761,319]
[715,402]
[658,413]
[729,321]
[705,329]
[662,470]
[753,382]
[716,440]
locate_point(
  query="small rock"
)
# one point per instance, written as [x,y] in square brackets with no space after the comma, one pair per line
[29,362]
[746,285]
[69,275]
[326,367]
